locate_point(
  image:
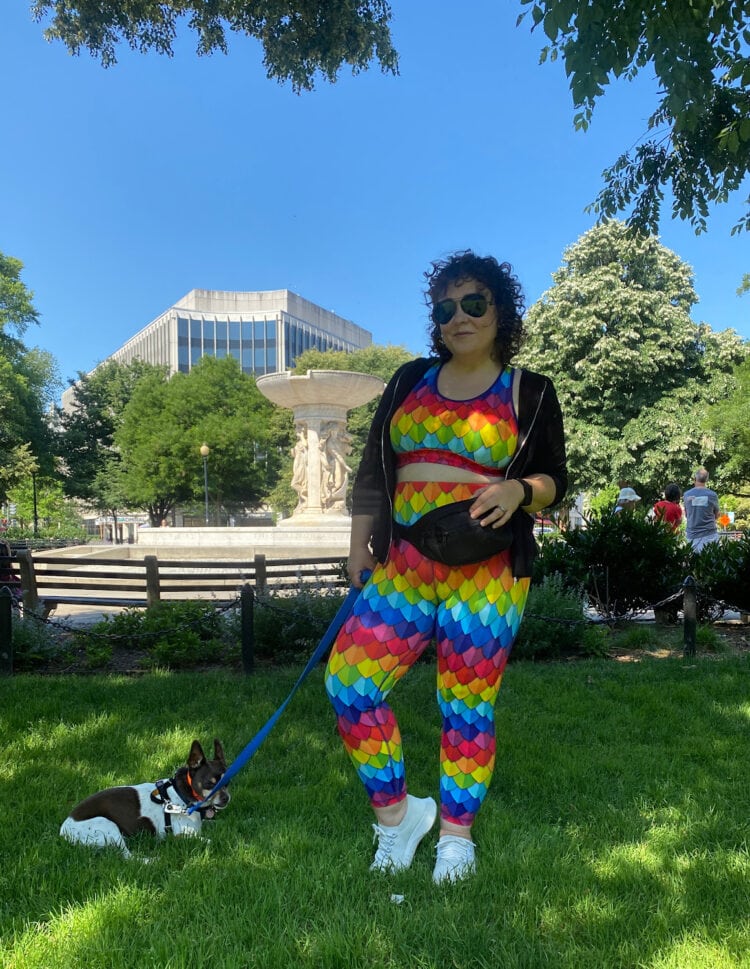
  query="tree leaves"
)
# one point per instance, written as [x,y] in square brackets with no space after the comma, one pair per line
[633,372]
[300,40]
[700,149]
[27,380]
[165,423]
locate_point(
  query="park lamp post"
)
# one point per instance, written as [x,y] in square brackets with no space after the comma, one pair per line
[205,451]
[36,514]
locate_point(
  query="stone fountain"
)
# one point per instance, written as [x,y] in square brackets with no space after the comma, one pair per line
[320,524]
[320,400]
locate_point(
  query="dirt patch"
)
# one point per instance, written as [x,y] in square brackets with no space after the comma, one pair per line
[733,640]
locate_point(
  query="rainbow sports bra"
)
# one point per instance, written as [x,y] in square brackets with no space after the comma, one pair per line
[478,434]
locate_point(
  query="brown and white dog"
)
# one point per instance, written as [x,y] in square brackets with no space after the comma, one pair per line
[110,816]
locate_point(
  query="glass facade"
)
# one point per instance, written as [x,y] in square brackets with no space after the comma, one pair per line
[252,342]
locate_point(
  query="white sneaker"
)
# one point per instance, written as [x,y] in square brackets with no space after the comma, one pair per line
[396,845]
[455,859]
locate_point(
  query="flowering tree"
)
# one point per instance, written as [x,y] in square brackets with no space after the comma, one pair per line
[634,373]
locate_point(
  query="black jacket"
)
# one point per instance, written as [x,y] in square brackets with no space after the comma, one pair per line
[540,450]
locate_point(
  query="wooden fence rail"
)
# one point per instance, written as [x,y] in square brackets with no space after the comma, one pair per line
[49,580]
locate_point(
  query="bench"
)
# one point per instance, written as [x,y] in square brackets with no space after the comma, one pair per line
[52,580]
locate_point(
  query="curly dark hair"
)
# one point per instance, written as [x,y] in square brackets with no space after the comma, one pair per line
[506,293]
[672,492]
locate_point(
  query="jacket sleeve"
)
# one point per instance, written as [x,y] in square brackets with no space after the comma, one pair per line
[369,488]
[550,449]
[544,447]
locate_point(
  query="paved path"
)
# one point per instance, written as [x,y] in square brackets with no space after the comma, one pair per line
[82,616]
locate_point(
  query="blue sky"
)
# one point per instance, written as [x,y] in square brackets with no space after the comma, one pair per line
[123,189]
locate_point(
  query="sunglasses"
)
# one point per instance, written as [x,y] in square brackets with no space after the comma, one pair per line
[473,304]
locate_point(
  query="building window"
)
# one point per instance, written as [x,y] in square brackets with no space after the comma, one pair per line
[183,346]
[222,339]
[196,343]
[209,338]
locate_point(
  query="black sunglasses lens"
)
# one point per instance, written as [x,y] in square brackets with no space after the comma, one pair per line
[444,311]
[474,305]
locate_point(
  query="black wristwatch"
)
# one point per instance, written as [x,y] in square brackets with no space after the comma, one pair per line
[528,492]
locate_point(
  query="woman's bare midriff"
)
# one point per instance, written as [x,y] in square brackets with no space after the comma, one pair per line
[431,471]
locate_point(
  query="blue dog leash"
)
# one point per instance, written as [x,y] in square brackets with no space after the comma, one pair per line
[320,650]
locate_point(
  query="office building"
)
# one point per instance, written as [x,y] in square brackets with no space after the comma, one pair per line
[264,331]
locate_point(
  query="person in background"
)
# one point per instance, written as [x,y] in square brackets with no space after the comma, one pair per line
[626,500]
[463,432]
[701,511]
[669,509]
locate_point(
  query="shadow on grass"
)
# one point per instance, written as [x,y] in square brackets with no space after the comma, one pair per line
[614,835]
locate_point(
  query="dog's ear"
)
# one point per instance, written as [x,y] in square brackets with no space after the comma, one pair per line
[196,756]
[219,752]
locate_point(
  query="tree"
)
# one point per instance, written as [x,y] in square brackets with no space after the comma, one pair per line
[55,514]
[167,420]
[299,39]
[28,378]
[634,373]
[728,421]
[698,140]
[16,306]
[86,440]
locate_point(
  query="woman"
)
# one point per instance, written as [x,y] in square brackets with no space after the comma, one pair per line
[627,499]
[669,509]
[463,426]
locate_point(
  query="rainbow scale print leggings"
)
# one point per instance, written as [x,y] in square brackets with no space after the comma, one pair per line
[473,612]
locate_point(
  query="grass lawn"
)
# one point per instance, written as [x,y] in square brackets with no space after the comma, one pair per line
[615,834]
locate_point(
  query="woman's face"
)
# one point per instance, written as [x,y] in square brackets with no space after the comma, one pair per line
[466,335]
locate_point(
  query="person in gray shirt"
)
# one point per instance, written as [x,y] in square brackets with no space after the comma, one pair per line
[701,512]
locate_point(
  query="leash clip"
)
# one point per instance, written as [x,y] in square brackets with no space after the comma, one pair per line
[171,808]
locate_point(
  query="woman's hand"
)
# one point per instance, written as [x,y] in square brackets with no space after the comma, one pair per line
[495,503]
[360,560]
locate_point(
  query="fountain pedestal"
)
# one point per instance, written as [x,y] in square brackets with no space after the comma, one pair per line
[320,400]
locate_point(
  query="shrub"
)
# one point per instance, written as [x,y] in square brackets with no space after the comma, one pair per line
[708,640]
[35,644]
[624,563]
[289,627]
[553,623]
[722,571]
[638,636]
[177,635]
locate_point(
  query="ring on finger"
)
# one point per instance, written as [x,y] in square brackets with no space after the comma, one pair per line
[502,508]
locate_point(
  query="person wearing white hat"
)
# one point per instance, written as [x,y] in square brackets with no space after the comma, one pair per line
[626,500]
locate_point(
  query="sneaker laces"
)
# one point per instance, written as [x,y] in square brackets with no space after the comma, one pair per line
[455,859]
[455,852]
[386,838]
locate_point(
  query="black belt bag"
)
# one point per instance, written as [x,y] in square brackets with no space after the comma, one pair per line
[451,536]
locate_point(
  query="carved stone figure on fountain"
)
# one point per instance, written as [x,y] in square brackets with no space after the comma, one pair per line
[320,400]
[335,445]
[299,467]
